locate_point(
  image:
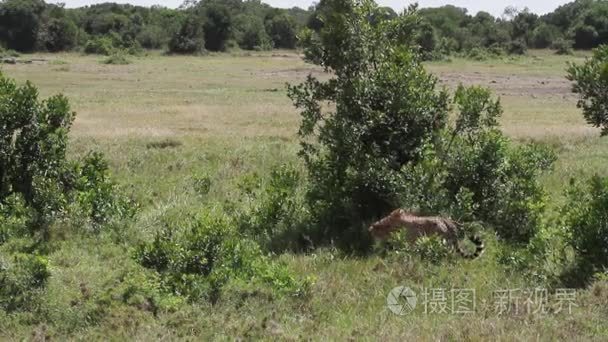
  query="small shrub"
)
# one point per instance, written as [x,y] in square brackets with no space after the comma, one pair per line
[142,289]
[432,249]
[15,217]
[21,281]
[517,47]
[97,195]
[200,260]
[276,210]
[478,54]
[503,180]
[202,184]
[118,58]
[496,50]
[562,47]
[100,46]
[585,220]
[591,84]
[8,53]
[475,174]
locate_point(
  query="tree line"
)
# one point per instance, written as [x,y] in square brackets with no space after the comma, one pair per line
[213,25]
[218,25]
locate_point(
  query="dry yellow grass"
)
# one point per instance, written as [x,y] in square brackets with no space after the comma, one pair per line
[244,95]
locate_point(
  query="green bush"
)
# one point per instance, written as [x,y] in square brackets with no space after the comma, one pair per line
[591,84]
[585,220]
[517,47]
[100,46]
[200,260]
[153,37]
[387,108]
[8,53]
[503,180]
[190,38]
[562,47]
[432,249]
[34,137]
[202,184]
[252,34]
[33,164]
[96,194]
[386,142]
[474,172]
[282,30]
[478,54]
[276,211]
[22,280]
[15,217]
[58,35]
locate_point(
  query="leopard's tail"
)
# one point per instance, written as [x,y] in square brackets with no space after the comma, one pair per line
[479,248]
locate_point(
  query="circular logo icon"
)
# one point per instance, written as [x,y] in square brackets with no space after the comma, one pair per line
[401,300]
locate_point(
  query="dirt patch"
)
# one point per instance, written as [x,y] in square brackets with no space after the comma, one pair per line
[511,85]
[294,73]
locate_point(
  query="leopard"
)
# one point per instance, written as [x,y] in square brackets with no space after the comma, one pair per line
[418,226]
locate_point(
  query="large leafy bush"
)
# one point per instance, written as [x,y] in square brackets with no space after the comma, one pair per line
[37,182]
[384,108]
[376,135]
[33,137]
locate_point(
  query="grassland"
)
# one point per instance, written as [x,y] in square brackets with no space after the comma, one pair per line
[163,121]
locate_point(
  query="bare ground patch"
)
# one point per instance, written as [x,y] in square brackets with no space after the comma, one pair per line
[512,85]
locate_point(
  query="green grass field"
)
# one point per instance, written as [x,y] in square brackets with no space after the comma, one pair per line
[226,116]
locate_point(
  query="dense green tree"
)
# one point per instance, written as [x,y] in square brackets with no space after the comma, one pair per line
[190,38]
[217,25]
[523,26]
[386,108]
[252,35]
[20,22]
[152,37]
[282,29]
[27,25]
[58,35]
[544,36]
[591,84]
[591,28]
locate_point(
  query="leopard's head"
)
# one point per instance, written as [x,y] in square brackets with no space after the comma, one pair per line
[383,228]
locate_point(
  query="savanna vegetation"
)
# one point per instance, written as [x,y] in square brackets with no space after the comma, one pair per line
[212,25]
[229,195]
